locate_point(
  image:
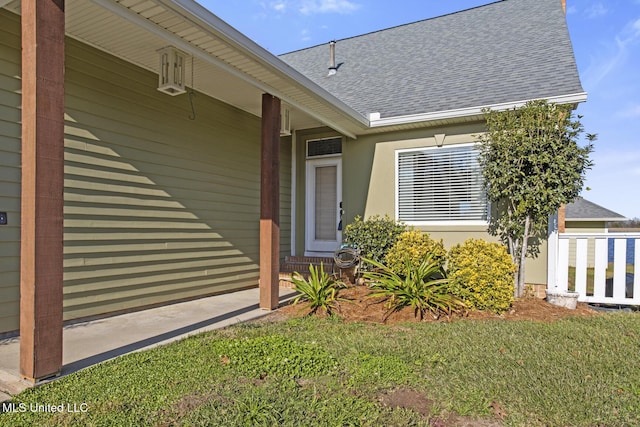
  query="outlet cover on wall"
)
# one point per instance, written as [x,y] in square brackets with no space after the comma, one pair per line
[3,218]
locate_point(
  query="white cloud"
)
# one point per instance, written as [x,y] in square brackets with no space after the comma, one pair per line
[596,10]
[619,48]
[278,6]
[308,7]
[572,9]
[631,112]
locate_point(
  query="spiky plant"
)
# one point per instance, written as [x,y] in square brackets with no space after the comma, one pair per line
[320,289]
[423,286]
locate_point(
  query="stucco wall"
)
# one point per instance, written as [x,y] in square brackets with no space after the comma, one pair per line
[369,180]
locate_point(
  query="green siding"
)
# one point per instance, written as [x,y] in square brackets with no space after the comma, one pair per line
[285,197]
[10,87]
[158,207]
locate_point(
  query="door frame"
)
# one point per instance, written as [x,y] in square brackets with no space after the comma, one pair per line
[311,246]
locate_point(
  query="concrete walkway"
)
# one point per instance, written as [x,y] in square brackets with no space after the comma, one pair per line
[89,343]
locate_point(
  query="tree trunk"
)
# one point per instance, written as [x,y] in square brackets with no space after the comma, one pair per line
[514,257]
[523,256]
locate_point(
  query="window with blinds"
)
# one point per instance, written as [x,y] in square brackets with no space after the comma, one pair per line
[440,184]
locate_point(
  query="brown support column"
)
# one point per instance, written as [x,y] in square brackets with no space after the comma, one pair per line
[270,203]
[42,188]
[561,218]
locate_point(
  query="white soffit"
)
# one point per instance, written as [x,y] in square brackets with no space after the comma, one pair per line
[135,29]
[227,65]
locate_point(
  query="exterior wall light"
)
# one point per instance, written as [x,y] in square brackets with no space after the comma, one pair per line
[285,121]
[172,71]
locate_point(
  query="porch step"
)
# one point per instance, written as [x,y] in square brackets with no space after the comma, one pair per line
[301,264]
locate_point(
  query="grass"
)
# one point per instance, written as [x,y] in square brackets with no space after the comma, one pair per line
[591,274]
[573,372]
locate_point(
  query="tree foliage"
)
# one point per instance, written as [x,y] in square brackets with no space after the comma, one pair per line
[532,163]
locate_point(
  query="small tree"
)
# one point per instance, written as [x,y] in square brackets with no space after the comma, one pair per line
[532,164]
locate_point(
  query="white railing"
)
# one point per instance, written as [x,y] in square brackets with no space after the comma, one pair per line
[585,266]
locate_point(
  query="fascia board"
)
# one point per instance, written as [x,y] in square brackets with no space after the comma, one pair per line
[612,219]
[470,112]
[206,21]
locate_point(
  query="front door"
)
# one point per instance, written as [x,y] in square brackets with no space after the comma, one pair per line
[324,197]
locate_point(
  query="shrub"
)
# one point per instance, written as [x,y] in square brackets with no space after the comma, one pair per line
[481,274]
[373,237]
[422,286]
[415,245]
[320,289]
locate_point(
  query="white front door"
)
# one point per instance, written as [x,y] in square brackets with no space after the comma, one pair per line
[324,197]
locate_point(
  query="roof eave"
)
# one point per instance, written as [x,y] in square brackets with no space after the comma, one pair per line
[620,218]
[470,112]
[193,11]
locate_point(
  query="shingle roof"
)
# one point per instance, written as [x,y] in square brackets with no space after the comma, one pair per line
[584,210]
[508,51]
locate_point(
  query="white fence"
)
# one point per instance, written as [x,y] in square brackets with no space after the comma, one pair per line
[600,267]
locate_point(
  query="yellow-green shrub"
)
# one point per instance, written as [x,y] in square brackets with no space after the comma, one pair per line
[481,274]
[415,245]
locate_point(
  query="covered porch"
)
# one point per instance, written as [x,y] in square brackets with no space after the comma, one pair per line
[230,87]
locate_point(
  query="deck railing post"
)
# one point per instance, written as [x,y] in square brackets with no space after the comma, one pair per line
[552,254]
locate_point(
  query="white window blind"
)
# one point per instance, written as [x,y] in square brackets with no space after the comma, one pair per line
[440,184]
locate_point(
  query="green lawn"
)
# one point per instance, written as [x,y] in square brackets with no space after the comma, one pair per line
[305,372]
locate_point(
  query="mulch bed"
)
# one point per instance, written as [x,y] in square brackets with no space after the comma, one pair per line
[358,306]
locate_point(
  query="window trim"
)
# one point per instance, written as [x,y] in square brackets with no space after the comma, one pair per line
[461,222]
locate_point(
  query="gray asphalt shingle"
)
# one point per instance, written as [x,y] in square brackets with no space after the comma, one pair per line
[585,210]
[511,50]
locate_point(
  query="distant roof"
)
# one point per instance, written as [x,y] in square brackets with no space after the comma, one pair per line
[507,51]
[584,210]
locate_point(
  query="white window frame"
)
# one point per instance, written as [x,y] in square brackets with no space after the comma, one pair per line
[463,222]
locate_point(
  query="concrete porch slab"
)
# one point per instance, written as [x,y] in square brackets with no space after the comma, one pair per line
[92,342]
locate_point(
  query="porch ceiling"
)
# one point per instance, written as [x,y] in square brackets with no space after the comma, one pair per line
[226,64]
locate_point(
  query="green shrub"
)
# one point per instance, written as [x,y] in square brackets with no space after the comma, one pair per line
[422,286]
[373,237]
[320,289]
[481,274]
[415,245]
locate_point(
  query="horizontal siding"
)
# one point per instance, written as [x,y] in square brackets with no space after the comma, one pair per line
[10,100]
[157,207]
[285,198]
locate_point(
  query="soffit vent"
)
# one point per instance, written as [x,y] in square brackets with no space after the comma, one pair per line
[324,147]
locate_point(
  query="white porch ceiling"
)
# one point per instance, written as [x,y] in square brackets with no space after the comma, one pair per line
[227,65]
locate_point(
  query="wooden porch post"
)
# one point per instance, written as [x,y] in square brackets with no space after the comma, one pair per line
[42,188]
[270,203]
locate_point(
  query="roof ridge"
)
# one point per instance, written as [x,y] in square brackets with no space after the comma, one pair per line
[492,3]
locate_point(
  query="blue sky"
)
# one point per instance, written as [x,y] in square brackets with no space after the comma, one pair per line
[606,40]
